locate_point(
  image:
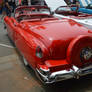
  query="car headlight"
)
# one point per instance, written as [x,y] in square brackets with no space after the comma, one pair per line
[39,52]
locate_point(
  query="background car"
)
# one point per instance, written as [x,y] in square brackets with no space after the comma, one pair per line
[85,6]
[70,11]
[87,10]
[56,49]
[54,4]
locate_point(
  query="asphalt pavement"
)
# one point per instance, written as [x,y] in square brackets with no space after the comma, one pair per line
[15,77]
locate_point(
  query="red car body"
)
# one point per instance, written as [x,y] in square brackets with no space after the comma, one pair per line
[57,49]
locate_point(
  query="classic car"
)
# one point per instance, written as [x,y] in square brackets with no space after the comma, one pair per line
[72,12]
[85,5]
[56,49]
[68,12]
[54,4]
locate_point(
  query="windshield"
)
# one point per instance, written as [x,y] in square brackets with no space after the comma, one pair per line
[32,10]
[64,9]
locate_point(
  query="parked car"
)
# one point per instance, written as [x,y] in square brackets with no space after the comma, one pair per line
[83,20]
[85,6]
[68,12]
[72,12]
[56,49]
[87,10]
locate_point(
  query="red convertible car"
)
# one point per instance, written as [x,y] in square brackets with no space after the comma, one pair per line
[56,49]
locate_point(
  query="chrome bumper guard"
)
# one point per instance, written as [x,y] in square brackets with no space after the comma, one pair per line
[74,72]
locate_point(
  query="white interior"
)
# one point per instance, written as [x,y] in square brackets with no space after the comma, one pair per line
[84,21]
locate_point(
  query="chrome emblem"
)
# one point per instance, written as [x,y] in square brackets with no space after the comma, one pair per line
[86,53]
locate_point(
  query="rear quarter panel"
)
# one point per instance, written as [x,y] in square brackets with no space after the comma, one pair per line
[23,40]
[26,43]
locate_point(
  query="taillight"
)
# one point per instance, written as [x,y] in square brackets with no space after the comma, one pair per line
[39,52]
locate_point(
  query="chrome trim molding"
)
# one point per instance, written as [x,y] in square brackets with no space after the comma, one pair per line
[74,72]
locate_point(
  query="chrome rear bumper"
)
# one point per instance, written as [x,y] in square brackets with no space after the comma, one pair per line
[74,72]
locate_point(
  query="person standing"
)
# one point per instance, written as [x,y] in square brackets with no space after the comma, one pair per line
[77,5]
[13,5]
[7,7]
[6,10]
[1,5]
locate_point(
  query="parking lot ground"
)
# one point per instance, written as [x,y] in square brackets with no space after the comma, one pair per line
[14,77]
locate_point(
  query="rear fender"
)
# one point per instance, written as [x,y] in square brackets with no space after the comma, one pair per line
[75,48]
[27,44]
